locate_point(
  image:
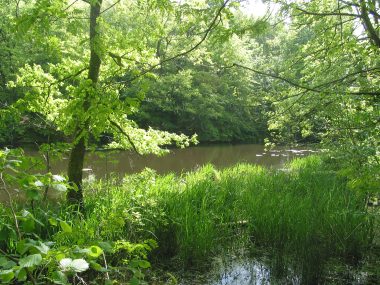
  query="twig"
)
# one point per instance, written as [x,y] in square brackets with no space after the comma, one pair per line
[105,266]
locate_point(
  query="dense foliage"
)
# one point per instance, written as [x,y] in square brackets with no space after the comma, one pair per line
[328,72]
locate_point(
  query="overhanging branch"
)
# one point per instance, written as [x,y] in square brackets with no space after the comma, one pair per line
[315,89]
[120,129]
[211,26]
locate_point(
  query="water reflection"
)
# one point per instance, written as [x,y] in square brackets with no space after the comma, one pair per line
[244,273]
[243,270]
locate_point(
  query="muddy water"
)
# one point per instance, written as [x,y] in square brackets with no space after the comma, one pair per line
[180,160]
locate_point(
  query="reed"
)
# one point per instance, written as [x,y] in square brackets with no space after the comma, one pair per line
[306,215]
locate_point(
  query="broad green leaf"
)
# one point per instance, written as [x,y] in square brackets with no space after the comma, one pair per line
[23,246]
[21,274]
[106,246]
[9,265]
[60,256]
[3,261]
[58,277]
[94,251]
[28,225]
[144,264]
[53,221]
[33,194]
[96,266]
[6,276]
[42,248]
[134,281]
[31,260]
[65,227]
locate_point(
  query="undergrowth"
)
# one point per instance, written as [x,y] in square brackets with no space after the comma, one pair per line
[305,216]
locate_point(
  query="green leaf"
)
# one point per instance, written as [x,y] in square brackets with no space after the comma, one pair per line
[60,256]
[6,276]
[53,222]
[28,225]
[106,246]
[9,265]
[94,251]
[96,266]
[31,260]
[144,264]
[65,227]
[3,261]
[21,274]
[58,277]
[134,281]
[23,246]
[33,194]
[42,248]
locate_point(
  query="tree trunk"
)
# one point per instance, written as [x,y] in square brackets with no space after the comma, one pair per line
[75,175]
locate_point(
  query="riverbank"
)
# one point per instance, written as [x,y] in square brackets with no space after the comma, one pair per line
[306,217]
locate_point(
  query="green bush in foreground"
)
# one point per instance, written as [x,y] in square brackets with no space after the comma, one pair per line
[305,216]
[46,243]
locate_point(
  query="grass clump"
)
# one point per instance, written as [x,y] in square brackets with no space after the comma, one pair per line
[306,215]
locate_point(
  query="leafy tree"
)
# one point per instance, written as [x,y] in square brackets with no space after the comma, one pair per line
[199,94]
[325,82]
[91,83]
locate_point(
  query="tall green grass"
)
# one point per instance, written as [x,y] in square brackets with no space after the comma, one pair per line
[306,215]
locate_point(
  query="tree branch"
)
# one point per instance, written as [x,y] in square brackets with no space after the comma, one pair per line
[105,10]
[276,77]
[327,13]
[207,32]
[315,89]
[120,129]
[371,31]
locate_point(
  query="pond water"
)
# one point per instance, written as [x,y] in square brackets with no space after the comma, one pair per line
[240,269]
[180,160]
[101,163]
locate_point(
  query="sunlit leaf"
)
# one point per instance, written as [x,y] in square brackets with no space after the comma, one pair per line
[6,276]
[65,227]
[31,260]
